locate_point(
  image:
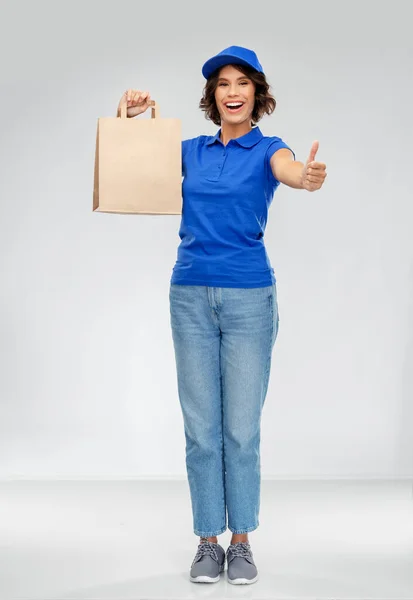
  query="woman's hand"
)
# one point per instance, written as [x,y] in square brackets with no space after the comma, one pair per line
[314,173]
[137,102]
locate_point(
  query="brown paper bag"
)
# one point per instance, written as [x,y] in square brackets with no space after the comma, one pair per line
[138,165]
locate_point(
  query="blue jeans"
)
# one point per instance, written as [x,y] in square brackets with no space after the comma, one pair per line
[223,340]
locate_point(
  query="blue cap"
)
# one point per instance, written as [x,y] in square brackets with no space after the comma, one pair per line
[235,55]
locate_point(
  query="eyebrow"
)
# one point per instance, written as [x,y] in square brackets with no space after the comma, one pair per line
[238,78]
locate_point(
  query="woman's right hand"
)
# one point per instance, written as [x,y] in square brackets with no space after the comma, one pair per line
[137,101]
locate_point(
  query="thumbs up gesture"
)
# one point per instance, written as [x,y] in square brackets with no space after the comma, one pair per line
[314,173]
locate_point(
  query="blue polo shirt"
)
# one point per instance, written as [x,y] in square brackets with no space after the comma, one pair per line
[226,194]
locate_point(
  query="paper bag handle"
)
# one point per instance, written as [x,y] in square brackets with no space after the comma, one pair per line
[152,103]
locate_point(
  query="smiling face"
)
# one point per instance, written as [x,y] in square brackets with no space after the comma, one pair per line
[234,88]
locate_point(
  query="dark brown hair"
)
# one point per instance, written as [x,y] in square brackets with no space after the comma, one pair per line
[264,102]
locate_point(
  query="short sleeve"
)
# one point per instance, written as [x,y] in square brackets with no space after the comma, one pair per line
[185,147]
[276,144]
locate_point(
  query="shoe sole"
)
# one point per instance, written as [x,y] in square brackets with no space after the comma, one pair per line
[242,580]
[205,579]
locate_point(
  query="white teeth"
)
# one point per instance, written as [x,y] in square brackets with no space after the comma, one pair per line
[234,105]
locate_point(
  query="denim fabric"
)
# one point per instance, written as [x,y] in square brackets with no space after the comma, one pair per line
[223,340]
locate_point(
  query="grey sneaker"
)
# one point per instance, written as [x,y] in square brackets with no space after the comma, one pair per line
[241,565]
[208,563]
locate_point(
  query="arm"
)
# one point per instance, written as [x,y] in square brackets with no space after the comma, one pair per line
[309,176]
[286,169]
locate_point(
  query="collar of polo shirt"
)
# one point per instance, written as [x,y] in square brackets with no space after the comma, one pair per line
[246,141]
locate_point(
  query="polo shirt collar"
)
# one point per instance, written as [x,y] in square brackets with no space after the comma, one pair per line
[246,141]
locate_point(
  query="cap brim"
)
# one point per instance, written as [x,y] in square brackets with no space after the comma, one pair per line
[219,61]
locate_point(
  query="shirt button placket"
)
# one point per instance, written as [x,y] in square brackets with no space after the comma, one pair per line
[221,164]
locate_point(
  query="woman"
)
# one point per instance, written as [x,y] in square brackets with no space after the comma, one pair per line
[223,302]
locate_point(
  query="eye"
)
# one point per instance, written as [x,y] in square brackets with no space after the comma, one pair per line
[244,82]
[222,83]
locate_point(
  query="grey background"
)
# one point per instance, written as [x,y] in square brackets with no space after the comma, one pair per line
[88,383]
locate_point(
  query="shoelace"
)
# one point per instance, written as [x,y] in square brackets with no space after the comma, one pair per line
[240,549]
[205,548]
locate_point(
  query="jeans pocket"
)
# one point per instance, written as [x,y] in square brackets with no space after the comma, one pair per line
[276,301]
[275,314]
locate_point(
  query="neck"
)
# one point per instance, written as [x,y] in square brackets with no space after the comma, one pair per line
[231,131]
